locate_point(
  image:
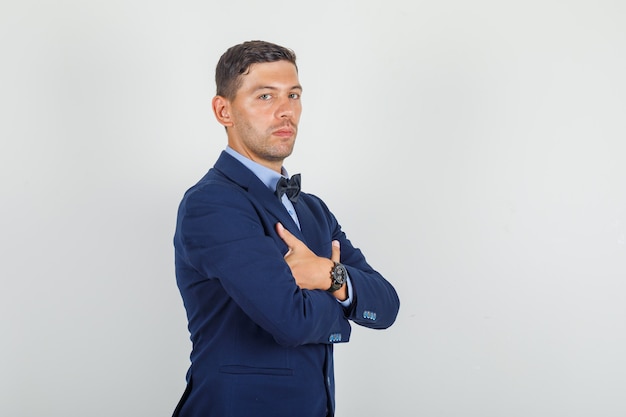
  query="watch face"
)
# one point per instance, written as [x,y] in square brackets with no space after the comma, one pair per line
[339,274]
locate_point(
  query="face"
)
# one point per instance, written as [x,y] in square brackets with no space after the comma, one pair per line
[262,121]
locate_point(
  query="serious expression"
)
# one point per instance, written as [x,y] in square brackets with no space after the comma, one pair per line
[265,113]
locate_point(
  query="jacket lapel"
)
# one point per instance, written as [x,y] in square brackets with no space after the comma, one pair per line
[236,172]
[315,237]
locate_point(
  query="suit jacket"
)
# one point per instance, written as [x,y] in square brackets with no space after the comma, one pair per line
[261,345]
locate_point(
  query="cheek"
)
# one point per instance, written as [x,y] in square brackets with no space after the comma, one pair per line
[297,111]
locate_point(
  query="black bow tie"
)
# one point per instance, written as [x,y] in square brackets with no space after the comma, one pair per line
[291,187]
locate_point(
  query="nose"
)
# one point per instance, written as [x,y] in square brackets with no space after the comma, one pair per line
[285,108]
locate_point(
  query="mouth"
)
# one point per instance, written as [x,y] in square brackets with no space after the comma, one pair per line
[284,132]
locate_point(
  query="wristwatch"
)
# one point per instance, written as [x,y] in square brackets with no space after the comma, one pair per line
[338,275]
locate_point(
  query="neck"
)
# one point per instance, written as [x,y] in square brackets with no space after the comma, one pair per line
[274,165]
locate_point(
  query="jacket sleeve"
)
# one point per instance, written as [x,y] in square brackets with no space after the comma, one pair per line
[375,301]
[223,236]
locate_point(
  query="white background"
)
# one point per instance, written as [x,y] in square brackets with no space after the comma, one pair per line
[474,150]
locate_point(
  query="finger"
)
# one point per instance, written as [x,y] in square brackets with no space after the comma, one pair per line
[290,240]
[335,251]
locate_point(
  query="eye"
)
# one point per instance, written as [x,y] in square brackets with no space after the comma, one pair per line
[294,96]
[265,96]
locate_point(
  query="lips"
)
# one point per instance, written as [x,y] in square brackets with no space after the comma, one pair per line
[284,132]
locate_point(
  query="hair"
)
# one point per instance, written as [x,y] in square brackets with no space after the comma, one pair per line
[236,61]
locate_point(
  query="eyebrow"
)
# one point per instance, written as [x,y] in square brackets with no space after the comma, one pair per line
[269,87]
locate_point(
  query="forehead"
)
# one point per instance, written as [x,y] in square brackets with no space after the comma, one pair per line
[278,74]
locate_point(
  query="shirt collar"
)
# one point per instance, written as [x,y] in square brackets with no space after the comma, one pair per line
[267,176]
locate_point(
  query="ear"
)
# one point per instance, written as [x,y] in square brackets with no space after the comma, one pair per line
[221,109]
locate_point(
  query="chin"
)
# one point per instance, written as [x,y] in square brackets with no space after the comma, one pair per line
[283,152]
[279,156]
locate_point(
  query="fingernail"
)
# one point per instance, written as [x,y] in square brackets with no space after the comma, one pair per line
[336,243]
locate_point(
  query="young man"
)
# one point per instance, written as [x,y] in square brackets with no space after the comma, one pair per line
[268,278]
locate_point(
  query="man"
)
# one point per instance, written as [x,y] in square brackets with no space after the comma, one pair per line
[268,278]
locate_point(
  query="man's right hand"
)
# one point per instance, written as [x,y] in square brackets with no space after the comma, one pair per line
[310,271]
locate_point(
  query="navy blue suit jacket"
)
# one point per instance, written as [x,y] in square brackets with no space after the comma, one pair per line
[261,345]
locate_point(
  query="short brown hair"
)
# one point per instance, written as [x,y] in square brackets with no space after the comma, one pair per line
[237,60]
